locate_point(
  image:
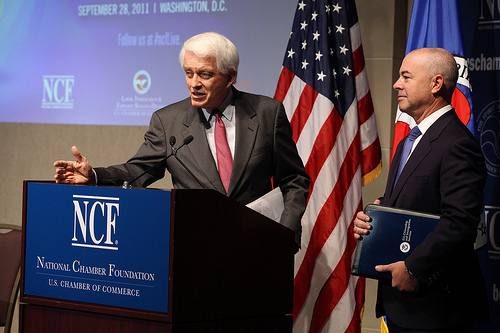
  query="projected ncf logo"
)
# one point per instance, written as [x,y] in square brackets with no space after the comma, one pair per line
[142,82]
[94,222]
[58,91]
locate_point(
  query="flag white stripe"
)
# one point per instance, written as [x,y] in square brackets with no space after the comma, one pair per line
[355,34]
[322,109]
[292,98]
[362,87]
[369,130]
[405,118]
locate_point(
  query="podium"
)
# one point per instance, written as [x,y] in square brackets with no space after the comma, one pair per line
[106,259]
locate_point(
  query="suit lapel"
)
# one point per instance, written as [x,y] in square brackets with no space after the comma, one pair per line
[206,167]
[391,177]
[423,148]
[246,132]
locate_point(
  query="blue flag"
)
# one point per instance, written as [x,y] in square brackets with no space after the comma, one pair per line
[436,23]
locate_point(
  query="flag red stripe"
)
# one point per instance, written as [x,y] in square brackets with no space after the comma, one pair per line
[358,60]
[284,82]
[303,111]
[359,294]
[323,145]
[365,108]
[369,156]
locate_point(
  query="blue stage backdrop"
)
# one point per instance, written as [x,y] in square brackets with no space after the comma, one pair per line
[481,27]
[114,62]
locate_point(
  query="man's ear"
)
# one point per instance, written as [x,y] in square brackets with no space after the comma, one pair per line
[231,77]
[437,83]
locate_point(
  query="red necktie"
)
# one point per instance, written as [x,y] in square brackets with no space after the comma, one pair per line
[224,158]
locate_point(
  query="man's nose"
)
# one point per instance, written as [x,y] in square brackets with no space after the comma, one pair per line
[195,82]
[397,85]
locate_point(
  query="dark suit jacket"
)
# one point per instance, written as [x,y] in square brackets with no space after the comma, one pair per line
[445,175]
[264,149]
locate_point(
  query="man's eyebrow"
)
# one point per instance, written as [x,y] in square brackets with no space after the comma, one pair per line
[199,70]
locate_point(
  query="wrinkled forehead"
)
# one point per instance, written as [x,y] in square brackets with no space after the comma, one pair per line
[192,61]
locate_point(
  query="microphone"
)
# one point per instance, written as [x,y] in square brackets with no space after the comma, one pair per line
[186,141]
[172,141]
[187,169]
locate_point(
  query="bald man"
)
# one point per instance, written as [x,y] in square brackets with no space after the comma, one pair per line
[439,287]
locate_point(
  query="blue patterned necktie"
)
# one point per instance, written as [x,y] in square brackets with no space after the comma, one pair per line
[410,140]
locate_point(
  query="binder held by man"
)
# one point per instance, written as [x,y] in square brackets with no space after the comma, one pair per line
[394,235]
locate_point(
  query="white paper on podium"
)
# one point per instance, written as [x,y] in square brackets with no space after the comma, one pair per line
[270,204]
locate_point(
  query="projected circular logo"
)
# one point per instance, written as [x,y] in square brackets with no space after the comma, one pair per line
[488,126]
[404,247]
[142,82]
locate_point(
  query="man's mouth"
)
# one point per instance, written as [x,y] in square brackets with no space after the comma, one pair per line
[195,94]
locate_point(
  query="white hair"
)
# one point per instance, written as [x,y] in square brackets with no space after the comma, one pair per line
[212,44]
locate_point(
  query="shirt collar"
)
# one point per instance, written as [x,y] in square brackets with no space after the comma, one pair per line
[227,112]
[431,119]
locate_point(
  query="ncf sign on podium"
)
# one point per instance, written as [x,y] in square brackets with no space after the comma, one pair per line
[86,247]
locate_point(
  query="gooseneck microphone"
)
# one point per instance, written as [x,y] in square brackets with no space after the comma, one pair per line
[187,169]
[186,141]
[172,141]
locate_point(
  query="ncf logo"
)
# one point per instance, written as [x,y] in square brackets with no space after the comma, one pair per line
[94,222]
[58,91]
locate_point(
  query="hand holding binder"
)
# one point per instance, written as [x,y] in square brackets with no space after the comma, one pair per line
[394,234]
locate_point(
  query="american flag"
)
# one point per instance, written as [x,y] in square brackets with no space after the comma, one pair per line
[324,88]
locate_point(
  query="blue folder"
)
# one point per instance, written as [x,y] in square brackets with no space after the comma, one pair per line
[394,235]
